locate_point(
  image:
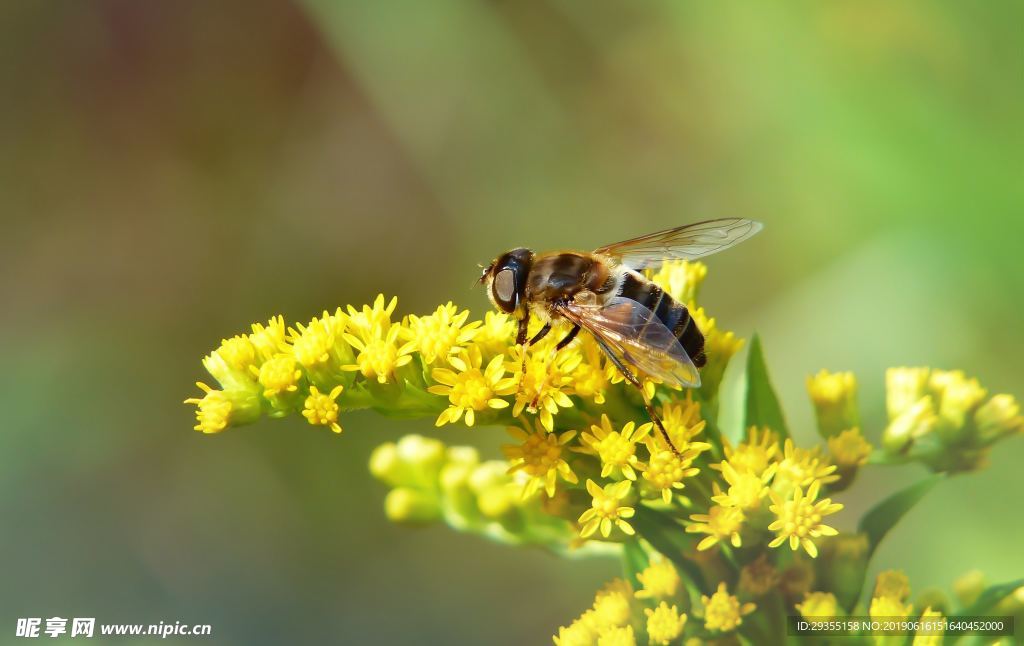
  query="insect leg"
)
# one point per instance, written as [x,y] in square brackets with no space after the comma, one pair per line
[566,340]
[541,334]
[568,337]
[633,379]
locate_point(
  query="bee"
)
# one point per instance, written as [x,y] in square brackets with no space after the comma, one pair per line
[643,331]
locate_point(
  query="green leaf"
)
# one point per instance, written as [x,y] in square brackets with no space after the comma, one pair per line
[763,407]
[877,522]
[989,598]
[634,561]
[668,537]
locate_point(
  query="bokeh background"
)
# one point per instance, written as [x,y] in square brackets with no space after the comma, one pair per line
[171,171]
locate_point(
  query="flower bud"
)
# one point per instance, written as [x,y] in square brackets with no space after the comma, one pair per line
[849,451]
[219,409]
[933,598]
[958,398]
[408,505]
[969,587]
[904,388]
[998,417]
[835,401]
[911,423]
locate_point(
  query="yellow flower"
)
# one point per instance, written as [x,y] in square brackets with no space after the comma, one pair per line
[620,636]
[998,417]
[539,456]
[472,388]
[611,605]
[238,352]
[758,577]
[835,401]
[372,321]
[218,409]
[959,396]
[496,334]
[683,423]
[746,489]
[321,409]
[680,278]
[723,611]
[319,346]
[279,375]
[379,353]
[659,580]
[544,384]
[439,335]
[801,468]
[607,509]
[617,449]
[665,470]
[820,605]
[799,518]
[664,623]
[231,363]
[578,633]
[756,454]
[888,607]
[849,449]
[720,523]
[913,423]
[904,387]
[931,632]
[590,379]
[892,583]
[269,339]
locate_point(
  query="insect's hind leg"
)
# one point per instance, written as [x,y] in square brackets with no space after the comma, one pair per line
[635,381]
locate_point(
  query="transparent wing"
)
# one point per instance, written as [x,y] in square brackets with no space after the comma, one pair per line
[635,338]
[686,242]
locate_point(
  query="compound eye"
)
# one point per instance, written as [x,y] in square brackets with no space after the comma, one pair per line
[505,286]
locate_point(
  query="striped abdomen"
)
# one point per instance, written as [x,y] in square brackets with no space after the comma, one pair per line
[669,311]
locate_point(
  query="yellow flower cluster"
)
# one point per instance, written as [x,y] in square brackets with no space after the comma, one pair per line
[615,612]
[756,470]
[945,419]
[587,470]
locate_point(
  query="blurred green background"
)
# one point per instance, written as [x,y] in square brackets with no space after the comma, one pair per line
[172,171]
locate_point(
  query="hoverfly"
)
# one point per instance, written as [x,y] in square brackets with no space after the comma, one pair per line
[643,331]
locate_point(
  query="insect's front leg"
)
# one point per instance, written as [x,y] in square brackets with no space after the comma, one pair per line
[566,340]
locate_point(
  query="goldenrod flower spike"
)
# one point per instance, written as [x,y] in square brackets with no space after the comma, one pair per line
[584,424]
[606,509]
